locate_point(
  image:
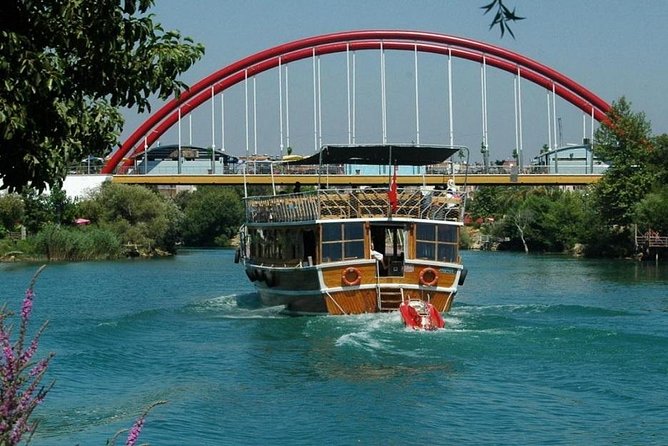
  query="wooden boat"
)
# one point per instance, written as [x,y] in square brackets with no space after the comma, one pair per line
[351,250]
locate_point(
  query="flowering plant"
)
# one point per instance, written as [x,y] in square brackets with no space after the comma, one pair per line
[21,390]
[135,430]
[20,378]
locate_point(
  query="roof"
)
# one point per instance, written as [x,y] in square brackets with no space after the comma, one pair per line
[170,151]
[380,154]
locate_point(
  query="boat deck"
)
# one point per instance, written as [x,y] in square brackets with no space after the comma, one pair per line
[349,203]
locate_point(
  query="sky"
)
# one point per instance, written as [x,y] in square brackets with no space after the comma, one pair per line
[614,48]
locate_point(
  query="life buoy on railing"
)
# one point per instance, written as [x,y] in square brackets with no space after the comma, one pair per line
[429,276]
[351,276]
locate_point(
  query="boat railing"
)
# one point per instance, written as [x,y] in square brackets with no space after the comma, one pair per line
[348,203]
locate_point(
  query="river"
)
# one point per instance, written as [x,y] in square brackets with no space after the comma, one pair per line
[536,350]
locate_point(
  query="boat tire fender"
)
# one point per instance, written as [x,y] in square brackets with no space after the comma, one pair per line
[351,276]
[429,276]
[237,255]
[270,279]
[252,275]
[462,276]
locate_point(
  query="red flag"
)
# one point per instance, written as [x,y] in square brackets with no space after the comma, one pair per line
[392,193]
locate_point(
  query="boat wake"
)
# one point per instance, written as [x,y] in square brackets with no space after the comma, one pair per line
[235,306]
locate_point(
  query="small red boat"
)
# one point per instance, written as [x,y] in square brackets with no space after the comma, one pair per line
[420,315]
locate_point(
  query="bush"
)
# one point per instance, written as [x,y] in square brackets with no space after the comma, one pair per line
[137,215]
[58,243]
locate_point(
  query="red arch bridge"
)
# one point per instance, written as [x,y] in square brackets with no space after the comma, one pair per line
[373,86]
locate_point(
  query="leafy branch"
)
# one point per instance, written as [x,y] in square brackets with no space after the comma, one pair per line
[502,17]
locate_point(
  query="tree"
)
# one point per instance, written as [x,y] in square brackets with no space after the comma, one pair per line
[212,216]
[626,144]
[66,67]
[11,212]
[41,209]
[652,211]
[139,216]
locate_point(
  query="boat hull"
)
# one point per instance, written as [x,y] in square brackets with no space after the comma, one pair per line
[327,289]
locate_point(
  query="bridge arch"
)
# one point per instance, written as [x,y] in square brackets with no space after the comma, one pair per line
[164,118]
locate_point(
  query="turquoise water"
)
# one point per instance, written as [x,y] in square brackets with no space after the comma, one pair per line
[537,350]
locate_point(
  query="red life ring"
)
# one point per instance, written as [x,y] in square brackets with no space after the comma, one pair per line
[351,276]
[429,276]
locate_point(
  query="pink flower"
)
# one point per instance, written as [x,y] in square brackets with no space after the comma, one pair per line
[26,309]
[134,432]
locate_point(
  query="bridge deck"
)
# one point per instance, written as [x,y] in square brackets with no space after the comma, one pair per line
[371,180]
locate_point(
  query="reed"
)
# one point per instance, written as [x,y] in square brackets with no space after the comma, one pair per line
[76,244]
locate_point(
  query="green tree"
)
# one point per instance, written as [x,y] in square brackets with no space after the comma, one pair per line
[212,216]
[652,211]
[627,145]
[137,215]
[486,202]
[66,67]
[11,212]
[659,159]
[43,208]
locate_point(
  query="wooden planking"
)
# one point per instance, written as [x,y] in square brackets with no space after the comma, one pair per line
[332,276]
[352,302]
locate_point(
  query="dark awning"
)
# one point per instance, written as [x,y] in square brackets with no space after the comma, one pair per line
[171,152]
[402,155]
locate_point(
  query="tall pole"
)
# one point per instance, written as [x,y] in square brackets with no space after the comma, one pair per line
[417,97]
[287,107]
[190,129]
[549,126]
[145,154]
[319,106]
[383,104]
[178,163]
[450,117]
[554,116]
[517,130]
[483,87]
[350,133]
[222,121]
[246,114]
[591,143]
[254,116]
[315,105]
[519,108]
[354,96]
[280,106]
[213,131]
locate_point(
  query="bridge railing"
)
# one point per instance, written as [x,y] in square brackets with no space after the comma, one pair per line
[348,203]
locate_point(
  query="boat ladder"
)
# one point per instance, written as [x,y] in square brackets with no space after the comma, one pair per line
[389,299]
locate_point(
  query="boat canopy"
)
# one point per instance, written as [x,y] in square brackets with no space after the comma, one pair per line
[379,154]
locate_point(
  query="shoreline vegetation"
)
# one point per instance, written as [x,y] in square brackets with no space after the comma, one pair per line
[600,220]
[115,222]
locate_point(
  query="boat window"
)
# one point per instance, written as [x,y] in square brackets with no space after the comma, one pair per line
[425,232]
[342,241]
[447,233]
[436,242]
[281,245]
[331,232]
